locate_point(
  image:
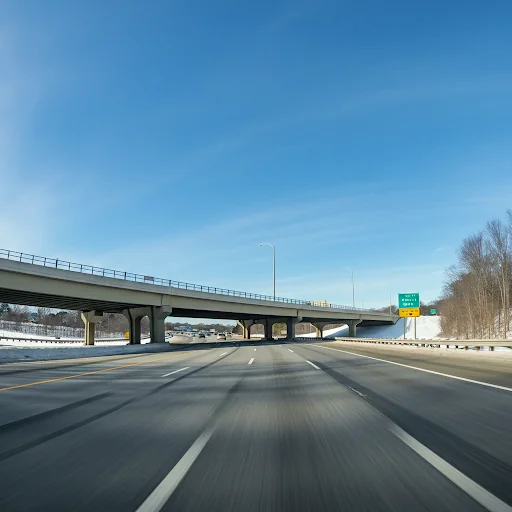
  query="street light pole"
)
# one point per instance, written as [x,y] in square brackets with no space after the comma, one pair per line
[273,264]
[353,288]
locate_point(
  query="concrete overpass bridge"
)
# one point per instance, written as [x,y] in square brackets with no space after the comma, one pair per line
[38,281]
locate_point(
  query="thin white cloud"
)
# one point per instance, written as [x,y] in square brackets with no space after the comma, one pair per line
[26,204]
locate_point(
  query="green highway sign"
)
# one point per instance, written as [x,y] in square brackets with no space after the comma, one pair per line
[408,300]
[433,311]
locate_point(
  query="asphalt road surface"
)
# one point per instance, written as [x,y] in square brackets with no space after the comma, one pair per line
[254,426]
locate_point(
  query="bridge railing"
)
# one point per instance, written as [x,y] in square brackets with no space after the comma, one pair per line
[139,278]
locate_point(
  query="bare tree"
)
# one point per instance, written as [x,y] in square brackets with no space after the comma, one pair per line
[498,243]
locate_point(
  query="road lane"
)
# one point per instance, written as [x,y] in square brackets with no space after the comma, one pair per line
[111,452]
[298,429]
[123,383]
[292,438]
[492,367]
[464,423]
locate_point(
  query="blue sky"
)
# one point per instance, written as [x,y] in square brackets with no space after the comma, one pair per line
[171,138]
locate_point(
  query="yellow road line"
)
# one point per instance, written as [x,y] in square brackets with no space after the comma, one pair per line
[85,360]
[91,373]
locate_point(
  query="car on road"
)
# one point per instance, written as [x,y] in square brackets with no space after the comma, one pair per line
[202,335]
[221,337]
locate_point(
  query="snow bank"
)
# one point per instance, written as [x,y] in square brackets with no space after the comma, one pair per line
[16,354]
[52,342]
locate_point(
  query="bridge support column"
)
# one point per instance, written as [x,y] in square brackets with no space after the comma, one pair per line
[267,325]
[90,318]
[134,316]
[319,328]
[246,328]
[291,326]
[157,316]
[352,327]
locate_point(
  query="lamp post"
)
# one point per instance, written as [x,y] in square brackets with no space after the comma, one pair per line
[353,288]
[273,264]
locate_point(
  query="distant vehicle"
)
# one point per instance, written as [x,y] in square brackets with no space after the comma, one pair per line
[202,335]
[221,337]
[230,334]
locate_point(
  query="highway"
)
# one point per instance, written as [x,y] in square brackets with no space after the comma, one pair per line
[296,426]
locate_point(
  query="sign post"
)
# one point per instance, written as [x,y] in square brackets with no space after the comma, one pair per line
[409,307]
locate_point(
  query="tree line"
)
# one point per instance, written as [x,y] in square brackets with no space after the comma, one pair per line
[111,323]
[476,297]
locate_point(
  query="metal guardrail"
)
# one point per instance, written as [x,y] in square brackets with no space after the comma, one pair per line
[139,278]
[429,342]
[59,340]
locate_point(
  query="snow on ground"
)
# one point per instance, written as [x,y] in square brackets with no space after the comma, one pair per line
[16,354]
[428,327]
[52,342]
[15,334]
[49,348]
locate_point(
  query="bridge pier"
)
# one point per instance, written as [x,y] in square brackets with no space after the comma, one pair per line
[134,317]
[352,327]
[267,325]
[246,328]
[291,326]
[157,316]
[319,328]
[90,318]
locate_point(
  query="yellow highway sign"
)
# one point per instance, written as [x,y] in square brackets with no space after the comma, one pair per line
[408,312]
[126,334]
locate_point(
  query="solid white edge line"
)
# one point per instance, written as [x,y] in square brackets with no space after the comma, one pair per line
[488,384]
[159,497]
[250,362]
[312,364]
[477,492]
[176,371]
[290,350]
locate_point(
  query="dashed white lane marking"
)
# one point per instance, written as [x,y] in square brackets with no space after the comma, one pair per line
[313,365]
[250,362]
[176,371]
[481,383]
[477,492]
[254,350]
[362,395]
[290,350]
[159,497]
[223,354]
